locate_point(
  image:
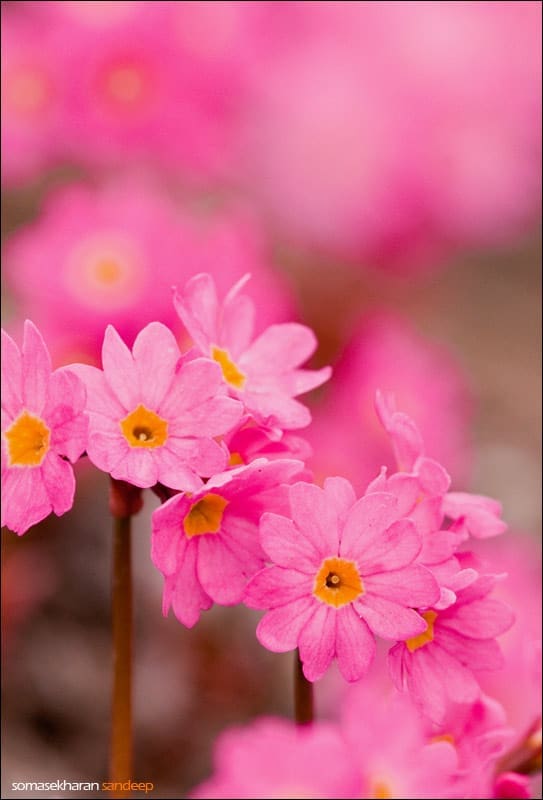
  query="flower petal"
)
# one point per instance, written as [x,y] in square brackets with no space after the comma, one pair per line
[366,521]
[155,354]
[315,517]
[388,619]
[355,644]
[473,653]
[24,498]
[59,480]
[119,370]
[411,586]
[197,306]
[36,364]
[184,592]
[274,586]
[138,467]
[12,377]
[286,546]
[222,572]
[317,642]
[279,629]
[279,349]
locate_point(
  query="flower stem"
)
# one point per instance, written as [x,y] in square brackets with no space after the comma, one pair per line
[303,694]
[121,712]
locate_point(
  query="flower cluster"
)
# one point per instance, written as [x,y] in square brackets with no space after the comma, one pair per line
[213,432]
[399,146]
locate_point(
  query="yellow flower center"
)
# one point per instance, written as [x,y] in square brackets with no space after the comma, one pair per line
[427,636]
[108,271]
[230,371]
[235,460]
[443,737]
[144,428]
[27,440]
[127,86]
[338,582]
[205,516]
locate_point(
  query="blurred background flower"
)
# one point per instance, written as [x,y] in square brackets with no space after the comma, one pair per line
[376,167]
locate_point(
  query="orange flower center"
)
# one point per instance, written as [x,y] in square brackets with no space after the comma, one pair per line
[144,428]
[427,636]
[381,791]
[231,373]
[205,516]
[27,440]
[338,582]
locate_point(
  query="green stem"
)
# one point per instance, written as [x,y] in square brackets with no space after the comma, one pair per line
[303,694]
[121,607]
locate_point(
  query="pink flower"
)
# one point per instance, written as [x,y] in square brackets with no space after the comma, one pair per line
[474,514]
[436,667]
[389,742]
[263,373]
[480,736]
[377,131]
[135,93]
[471,514]
[518,685]
[153,413]
[343,571]
[43,427]
[111,254]
[275,758]
[206,544]
[386,353]
[33,83]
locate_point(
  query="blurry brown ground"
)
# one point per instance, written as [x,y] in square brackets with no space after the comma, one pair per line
[189,685]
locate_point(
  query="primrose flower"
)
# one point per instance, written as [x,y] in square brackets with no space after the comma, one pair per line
[343,571]
[206,544]
[471,514]
[395,760]
[43,428]
[263,373]
[436,667]
[275,758]
[153,413]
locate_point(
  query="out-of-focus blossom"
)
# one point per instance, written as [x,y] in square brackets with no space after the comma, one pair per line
[518,685]
[275,758]
[436,668]
[44,427]
[111,255]
[33,84]
[136,82]
[206,544]
[264,373]
[389,743]
[480,736]
[342,573]
[153,414]
[385,353]
[378,130]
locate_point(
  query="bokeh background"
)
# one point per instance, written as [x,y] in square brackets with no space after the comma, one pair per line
[376,167]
